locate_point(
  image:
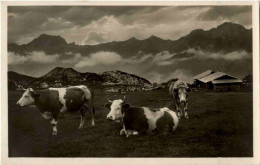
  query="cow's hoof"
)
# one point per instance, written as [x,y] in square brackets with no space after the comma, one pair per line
[54,133]
[135,133]
[81,126]
[122,132]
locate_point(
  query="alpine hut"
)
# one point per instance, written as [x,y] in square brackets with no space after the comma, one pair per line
[217,81]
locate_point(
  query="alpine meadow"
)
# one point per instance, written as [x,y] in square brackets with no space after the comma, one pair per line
[130,81]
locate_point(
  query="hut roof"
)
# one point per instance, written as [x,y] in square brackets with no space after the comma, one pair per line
[204,74]
[212,77]
[226,81]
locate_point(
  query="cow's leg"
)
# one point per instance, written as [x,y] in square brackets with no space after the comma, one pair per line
[185,110]
[92,112]
[122,132]
[130,132]
[54,122]
[91,109]
[178,109]
[127,133]
[83,111]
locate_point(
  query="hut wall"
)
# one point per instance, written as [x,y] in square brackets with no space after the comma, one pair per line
[220,87]
[200,84]
[234,87]
[227,87]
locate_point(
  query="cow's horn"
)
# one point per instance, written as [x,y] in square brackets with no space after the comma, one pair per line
[109,100]
[124,98]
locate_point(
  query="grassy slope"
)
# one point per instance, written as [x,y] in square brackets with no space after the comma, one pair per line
[220,124]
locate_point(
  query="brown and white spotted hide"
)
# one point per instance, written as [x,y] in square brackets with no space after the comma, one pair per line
[142,120]
[53,101]
[179,92]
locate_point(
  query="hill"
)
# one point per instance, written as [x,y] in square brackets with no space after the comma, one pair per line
[59,77]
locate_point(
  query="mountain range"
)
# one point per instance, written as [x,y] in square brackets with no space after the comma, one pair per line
[226,37]
[59,77]
[220,41]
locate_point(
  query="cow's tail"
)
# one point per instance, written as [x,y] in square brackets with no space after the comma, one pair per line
[90,103]
[93,110]
[92,98]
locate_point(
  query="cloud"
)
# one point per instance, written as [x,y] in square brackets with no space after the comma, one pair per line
[99,58]
[35,20]
[56,24]
[138,59]
[36,57]
[235,55]
[94,38]
[72,58]
[164,15]
[182,74]
[155,77]
[223,12]
[162,58]
[97,24]
[83,15]
[238,14]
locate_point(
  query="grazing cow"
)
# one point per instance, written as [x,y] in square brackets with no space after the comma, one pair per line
[179,92]
[140,120]
[53,101]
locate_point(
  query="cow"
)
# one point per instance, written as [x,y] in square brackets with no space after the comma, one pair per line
[141,120]
[179,92]
[53,101]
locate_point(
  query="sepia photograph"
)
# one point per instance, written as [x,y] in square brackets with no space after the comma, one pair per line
[130,81]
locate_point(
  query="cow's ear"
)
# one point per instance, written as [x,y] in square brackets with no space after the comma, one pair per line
[35,94]
[108,105]
[188,90]
[125,107]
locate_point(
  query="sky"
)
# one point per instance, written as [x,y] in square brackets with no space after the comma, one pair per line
[90,25]
[93,25]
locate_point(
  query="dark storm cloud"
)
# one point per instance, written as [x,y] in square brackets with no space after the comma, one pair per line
[85,15]
[96,24]
[223,12]
[24,20]
[28,20]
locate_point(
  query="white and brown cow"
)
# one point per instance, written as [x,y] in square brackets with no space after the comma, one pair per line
[179,92]
[53,101]
[142,120]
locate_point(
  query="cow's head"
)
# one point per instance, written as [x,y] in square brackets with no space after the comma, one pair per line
[115,108]
[182,94]
[28,98]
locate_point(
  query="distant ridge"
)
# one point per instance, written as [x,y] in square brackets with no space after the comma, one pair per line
[226,37]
